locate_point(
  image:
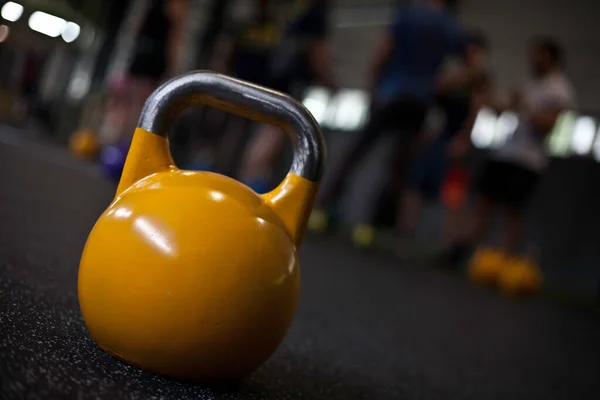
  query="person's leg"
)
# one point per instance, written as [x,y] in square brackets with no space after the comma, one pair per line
[412,206]
[424,182]
[521,184]
[452,219]
[232,146]
[352,157]
[208,138]
[479,220]
[491,191]
[451,190]
[267,143]
[407,116]
[403,206]
[263,149]
[477,226]
[513,230]
[332,190]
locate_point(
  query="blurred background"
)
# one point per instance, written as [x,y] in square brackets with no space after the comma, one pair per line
[65,80]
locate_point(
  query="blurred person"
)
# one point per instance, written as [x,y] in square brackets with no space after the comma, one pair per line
[155,57]
[407,60]
[30,76]
[254,43]
[217,17]
[247,56]
[460,89]
[514,169]
[302,57]
[157,48]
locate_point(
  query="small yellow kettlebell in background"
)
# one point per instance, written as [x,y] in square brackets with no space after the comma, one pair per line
[83,143]
[521,277]
[486,265]
[192,274]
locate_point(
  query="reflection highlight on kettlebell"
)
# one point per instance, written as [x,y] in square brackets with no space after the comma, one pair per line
[261,221]
[156,235]
[216,196]
[120,212]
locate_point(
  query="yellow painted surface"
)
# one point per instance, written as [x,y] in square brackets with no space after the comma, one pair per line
[192,274]
[293,200]
[148,154]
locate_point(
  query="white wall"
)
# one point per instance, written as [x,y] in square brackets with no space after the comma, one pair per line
[356,26]
[510,24]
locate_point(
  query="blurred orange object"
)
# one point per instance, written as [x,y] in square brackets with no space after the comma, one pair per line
[521,277]
[486,266]
[456,187]
[84,143]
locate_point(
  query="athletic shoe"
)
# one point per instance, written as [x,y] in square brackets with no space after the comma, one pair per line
[363,236]
[318,221]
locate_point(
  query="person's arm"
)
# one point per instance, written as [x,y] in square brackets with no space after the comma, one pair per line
[451,79]
[454,73]
[545,120]
[460,145]
[501,102]
[482,97]
[321,64]
[223,62]
[383,50]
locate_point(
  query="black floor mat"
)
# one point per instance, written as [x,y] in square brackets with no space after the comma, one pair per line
[367,327]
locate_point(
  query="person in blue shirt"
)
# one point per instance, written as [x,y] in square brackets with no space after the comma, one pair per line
[407,61]
[459,90]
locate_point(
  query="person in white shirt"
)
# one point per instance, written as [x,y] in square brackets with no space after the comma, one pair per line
[514,169]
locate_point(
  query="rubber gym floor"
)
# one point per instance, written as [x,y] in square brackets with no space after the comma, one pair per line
[367,326]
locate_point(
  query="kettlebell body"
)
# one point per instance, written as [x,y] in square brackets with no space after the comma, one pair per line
[204,286]
[192,274]
[520,278]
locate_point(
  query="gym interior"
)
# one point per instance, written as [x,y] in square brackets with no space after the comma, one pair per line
[160,277]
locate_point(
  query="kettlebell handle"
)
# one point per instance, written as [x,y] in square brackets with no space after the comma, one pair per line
[243,99]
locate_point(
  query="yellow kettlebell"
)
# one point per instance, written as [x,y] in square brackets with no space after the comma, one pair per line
[486,265]
[521,277]
[192,274]
[83,143]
